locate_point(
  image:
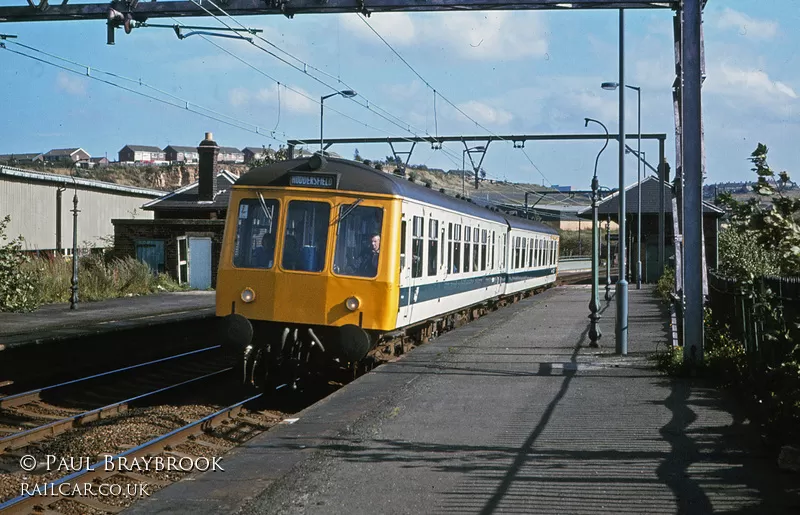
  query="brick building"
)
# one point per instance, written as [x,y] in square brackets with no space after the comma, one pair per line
[184,239]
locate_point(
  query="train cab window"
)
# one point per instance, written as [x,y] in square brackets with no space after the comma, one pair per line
[306,236]
[476,237]
[358,240]
[433,246]
[256,228]
[456,249]
[467,240]
[417,244]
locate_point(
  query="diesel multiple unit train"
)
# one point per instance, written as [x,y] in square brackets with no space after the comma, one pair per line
[323,259]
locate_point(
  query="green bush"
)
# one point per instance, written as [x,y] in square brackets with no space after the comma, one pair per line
[16,288]
[98,278]
[666,284]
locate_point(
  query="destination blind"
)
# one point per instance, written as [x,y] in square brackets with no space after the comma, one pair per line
[313,181]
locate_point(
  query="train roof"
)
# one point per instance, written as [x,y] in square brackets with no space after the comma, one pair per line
[357,177]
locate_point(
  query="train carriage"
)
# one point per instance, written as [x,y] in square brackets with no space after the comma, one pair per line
[325,258]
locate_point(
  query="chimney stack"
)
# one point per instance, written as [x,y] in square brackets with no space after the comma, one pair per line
[207,168]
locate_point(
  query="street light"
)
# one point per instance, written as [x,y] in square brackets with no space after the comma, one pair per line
[347,93]
[594,304]
[479,148]
[610,86]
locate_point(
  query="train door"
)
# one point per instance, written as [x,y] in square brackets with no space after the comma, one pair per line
[411,259]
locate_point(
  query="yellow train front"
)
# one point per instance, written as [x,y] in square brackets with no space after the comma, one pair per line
[325,258]
[307,271]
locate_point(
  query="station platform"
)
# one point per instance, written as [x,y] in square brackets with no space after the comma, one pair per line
[511,413]
[55,322]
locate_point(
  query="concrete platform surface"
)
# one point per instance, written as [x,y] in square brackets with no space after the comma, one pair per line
[511,413]
[56,321]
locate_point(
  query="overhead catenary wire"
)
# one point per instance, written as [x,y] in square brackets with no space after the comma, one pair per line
[184,106]
[435,92]
[91,69]
[367,104]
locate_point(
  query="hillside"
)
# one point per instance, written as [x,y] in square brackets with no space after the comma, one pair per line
[172,177]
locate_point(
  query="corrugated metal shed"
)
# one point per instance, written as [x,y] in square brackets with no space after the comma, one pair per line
[31,200]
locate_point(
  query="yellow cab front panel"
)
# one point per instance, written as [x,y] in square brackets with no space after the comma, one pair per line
[314,292]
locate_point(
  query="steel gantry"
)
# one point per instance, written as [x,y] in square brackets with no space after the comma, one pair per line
[687,105]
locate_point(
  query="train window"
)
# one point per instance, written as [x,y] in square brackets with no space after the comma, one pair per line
[475,249]
[503,253]
[516,251]
[306,236]
[530,252]
[403,245]
[484,241]
[456,249]
[255,233]
[525,253]
[536,252]
[541,252]
[358,240]
[433,246]
[493,249]
[441,246]
[467,239]
[450,247]
[417,245]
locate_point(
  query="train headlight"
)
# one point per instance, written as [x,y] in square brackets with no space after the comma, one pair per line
[248,295]
[352,303]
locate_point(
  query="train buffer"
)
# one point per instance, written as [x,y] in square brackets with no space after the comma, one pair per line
[55,322]
[511,413]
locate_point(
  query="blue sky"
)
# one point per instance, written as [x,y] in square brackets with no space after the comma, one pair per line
[514,72]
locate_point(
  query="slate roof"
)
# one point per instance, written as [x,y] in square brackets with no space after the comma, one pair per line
[69,181]
[179,148]
[650,200]
[143,148]
[63,151]
[20,157]
[258,150]
[230,150]
[357,177]
[188,198]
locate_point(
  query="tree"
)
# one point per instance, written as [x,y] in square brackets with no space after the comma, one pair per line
[357,156]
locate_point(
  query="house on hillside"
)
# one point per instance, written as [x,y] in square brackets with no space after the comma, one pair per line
[254,153]
[20,159]
[184,239]
[100,162]
[141,154]
[176,153]
[66,156]
[230,155]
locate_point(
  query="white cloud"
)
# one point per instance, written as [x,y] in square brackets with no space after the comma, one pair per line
[747,26]
[71,84]
[474,36]
[485,114]
[753,85]
[297,101]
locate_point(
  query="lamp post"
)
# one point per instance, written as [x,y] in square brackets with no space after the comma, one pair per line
[594,304]
[347,93]
[608,257]
[612,86]
[479,148]
[73,299]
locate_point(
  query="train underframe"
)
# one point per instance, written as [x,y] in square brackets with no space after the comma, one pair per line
[272,355]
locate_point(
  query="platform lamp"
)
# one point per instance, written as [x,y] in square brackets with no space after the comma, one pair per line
[347,93]
[594,303]
[73,299]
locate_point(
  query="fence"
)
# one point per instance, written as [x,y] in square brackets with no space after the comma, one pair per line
[746,315]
